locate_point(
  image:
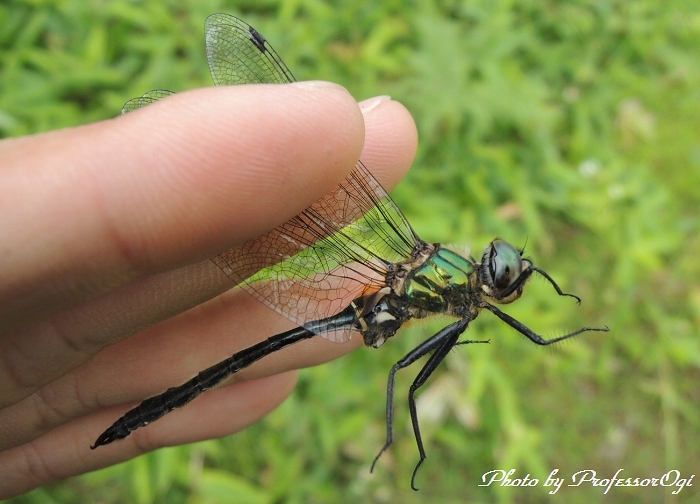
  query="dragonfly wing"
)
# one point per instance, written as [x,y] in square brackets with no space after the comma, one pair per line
[316,263]
[239,54]
[146,99]
[340,247]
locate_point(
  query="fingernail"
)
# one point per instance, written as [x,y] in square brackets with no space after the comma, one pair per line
[372,103]
[316,84]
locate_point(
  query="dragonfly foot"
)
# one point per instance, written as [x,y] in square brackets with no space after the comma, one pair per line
[384,448]
[415,471]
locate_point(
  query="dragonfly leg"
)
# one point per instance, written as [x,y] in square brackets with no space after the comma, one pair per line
[554,284]
[420,380]
[533,336]
[447,337]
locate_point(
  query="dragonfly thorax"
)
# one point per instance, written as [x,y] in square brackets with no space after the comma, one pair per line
[445,283]
[435,280]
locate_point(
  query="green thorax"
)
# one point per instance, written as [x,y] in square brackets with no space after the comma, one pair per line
[442,284]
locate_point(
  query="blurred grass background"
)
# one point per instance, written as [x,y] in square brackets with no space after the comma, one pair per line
[572,124]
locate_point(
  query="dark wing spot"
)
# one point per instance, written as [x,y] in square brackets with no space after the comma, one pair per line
[257,39]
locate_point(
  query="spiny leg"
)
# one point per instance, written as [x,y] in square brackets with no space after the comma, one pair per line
[470,341]
[434,342]
[533,336]
[425,373]
[419,381]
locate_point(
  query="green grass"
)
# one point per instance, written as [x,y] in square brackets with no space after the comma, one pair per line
[572,124]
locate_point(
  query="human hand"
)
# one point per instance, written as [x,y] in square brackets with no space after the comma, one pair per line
[105,236]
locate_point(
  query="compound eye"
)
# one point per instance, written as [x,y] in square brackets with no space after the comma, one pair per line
[506,264]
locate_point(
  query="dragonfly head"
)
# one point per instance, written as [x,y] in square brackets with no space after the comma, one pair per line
[503,272]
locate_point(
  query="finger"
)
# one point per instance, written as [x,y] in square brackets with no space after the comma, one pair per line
[175,350]
[391,139]
[65,451]
[170,198]
[92,208]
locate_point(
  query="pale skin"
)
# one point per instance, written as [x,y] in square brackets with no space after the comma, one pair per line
[105,236]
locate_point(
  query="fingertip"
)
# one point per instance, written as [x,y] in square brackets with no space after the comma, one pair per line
[339,107]
[391,139]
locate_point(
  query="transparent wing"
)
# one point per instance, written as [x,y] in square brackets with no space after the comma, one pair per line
[340,247]
[239,54]
[146,99]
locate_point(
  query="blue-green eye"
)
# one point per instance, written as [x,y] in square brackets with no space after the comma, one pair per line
[505,264]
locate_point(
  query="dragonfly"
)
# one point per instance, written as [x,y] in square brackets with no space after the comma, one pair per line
[349,264]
